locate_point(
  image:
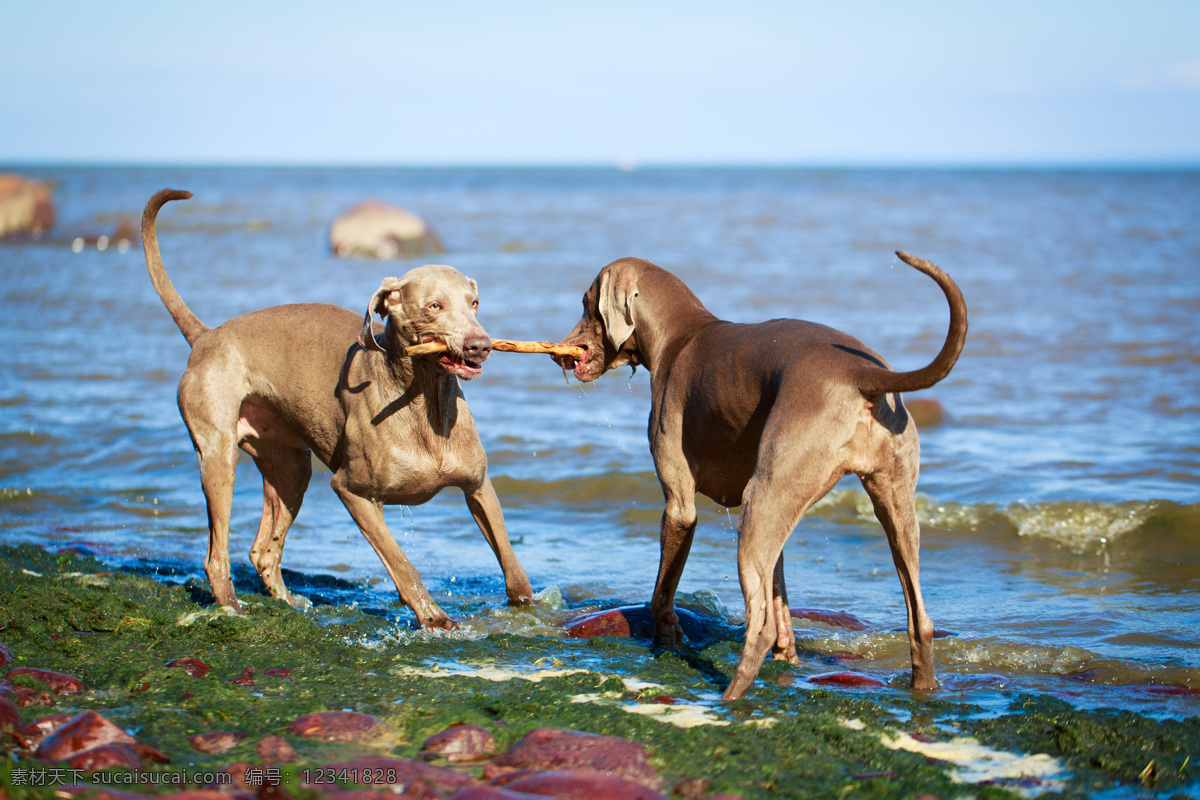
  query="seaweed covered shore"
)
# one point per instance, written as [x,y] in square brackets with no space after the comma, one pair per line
[279,703]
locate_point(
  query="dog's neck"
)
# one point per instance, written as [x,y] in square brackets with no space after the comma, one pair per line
[666,316]
[420,383]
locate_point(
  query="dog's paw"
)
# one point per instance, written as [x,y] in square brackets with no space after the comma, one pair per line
[440,623]
[667,632]
[299,602]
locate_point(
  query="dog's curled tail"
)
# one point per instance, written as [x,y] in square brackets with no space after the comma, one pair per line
[189,324]
[874,381]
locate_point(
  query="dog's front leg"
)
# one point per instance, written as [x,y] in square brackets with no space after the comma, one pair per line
[675,542]
[485,508]
[369,517]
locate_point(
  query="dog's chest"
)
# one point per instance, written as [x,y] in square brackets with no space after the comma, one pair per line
[401,460]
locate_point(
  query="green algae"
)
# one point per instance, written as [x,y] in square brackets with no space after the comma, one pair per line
[117,631]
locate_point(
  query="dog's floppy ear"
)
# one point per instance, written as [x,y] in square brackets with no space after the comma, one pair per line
[379,305]
[618,288]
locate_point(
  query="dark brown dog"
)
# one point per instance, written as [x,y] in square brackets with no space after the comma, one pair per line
[290,381]
[770,417]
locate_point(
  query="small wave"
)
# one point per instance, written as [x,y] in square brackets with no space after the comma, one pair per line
[1079,526]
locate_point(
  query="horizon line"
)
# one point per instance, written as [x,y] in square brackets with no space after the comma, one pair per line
[627,165]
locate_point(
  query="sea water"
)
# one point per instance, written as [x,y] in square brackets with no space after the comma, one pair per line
[1058,499]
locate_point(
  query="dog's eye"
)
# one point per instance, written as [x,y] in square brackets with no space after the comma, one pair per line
[435,306]
[474,304]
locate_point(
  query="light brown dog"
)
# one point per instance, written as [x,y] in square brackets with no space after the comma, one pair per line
[768,417]
[291,380]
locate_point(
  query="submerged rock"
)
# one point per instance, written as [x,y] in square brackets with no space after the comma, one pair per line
[33,733]
[59,683]
[925,411]
[83,732]
[578,786]
[25,206]
[24,697]
[342,726]
[635,621]
[106,756]
[460,742]
[11,719]
[836,619]
[555,750]
[376,230]
[6,655]
[845,679]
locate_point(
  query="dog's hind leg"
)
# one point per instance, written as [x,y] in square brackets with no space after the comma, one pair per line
[892,492]
[760,543]
[784,648]
[212,425]
[218,462]
[795,469]
[286,472]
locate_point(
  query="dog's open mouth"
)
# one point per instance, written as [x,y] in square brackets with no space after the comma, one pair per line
[577,365]
[459,366]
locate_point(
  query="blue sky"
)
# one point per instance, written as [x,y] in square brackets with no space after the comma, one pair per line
[900,83]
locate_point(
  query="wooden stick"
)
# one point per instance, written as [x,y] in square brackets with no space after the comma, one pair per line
[424,348]
[505,346]
[509,346]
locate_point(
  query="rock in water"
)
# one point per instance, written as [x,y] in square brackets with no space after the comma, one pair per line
[460,742]
[845,679]
[376,230]
[635,621]
[558,750]
[579,786]
[381,771]
[25,207]
[59,683]
[837,619]
[925,411]
[85,731]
